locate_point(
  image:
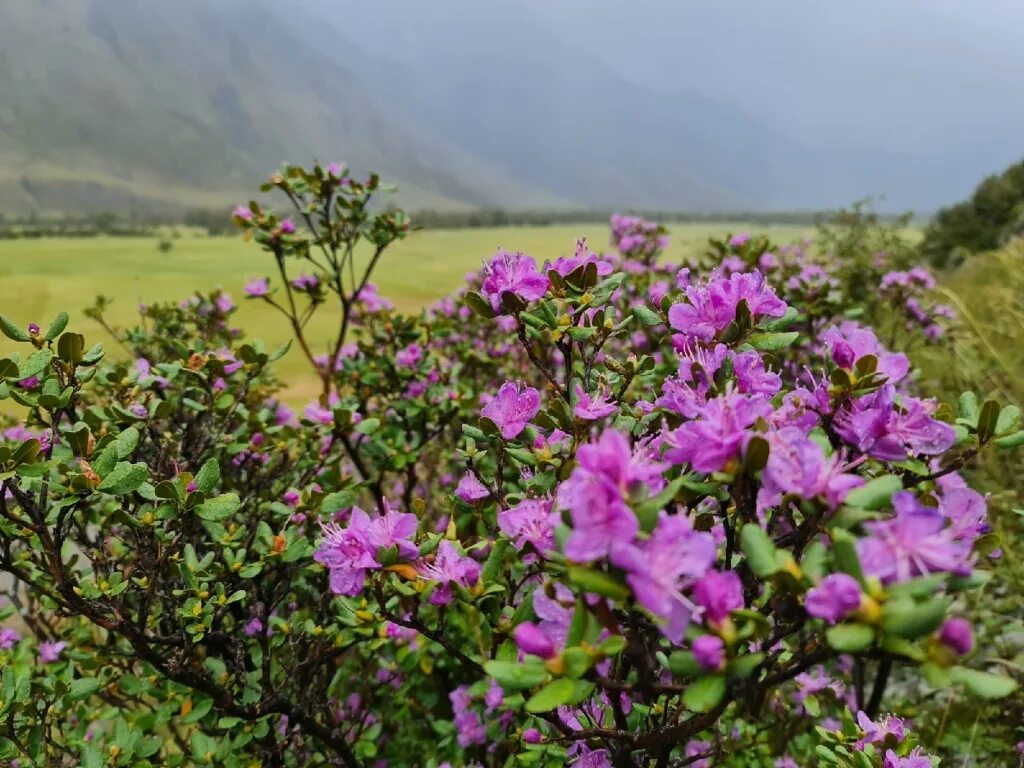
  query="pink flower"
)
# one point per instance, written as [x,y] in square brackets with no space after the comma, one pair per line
[590,408]
[243,213]
[514,273]
[713,306]
[512,408]
[836,597]
[449,567]
[532,522]
[708,444]
[50,652]
[531,639]
[719,593]
[709,651]
[470,489]
[957,635]
[257,288]
[410,356]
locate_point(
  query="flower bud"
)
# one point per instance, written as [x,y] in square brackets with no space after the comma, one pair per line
[530,639]
[709,652]
[956,634]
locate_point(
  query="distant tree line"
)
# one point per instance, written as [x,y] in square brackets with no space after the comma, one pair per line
[987,220]
[217,221]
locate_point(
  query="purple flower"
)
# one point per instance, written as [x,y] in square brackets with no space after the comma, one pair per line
[287,226]
[914,542]
[410,356]
[513,273]
[30,383]
[349,552]
[257,288]
[889,729]
[916,759]
[589,408]
[470,489]
[34,329]
[709,651]
[253,627]
[849,342]
[565,266]
[50,652]
[957,635]
[306,282]
[661,567]
[532,736]
[875,425]
[449,567]
[713,306]
[224,303]
[719,593]
[243,213]
[531,639]
[708,444]
[798,465]
[595,494]
[532,522]
[8,638]
[512,408]
[738,240]
[966,511]
[836,597]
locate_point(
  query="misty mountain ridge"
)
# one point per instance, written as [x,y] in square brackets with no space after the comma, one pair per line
[138,105]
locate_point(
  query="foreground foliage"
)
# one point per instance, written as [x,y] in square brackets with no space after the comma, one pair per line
[605,511]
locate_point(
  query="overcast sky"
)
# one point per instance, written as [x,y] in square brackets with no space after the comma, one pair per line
[903,74]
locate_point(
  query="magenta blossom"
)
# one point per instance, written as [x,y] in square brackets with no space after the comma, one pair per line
[257,288]
[719,593]
[8,638]
[888,431]
[709,652]
[470,489]
[514,273]
[798,465]
[836,597]
[592,408]
[449,567]
[530,522]
[957,635]
[409,356]
[49,653]
[914,542]
[531,639]
[242,212]
[661,567]
[512,408]
[712,307]
[348,553]
[709,443]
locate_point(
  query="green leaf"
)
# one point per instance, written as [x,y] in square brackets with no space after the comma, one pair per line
[57,326]
[770,342]
[850,638]
[124,478]
[552,695]
[575,662]
[126,442]
[219,507]
[83,688]
[208,476]
[337,501]
[759,550]
[983,684]
[8,369]
[844,552]
[578,625]
[909,620]
[1012,440]
[969,408]
[514,676]
[987,420]
[597,582]
[36,364]
[646,316]
[704,695]
[478,304]
[71,348]
[1009,419]
[876,493]
[781,323]
[11,331]
[367,426]
[684,664]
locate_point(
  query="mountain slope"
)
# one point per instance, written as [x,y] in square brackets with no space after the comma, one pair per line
[138,103]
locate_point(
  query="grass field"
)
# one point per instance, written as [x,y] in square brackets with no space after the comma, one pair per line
[38,278]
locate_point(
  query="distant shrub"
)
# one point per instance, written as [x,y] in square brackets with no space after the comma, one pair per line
[604,511]
[986,221]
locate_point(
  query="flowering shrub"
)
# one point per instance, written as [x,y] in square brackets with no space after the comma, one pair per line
[604,511]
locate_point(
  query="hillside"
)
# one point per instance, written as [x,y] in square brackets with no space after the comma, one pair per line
[141,104]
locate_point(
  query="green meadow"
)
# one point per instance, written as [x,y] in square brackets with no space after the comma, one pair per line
[40,277]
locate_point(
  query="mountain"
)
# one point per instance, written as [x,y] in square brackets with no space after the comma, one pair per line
[144,104]
[140,104]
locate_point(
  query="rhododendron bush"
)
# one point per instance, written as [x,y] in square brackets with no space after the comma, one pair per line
[600,510]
